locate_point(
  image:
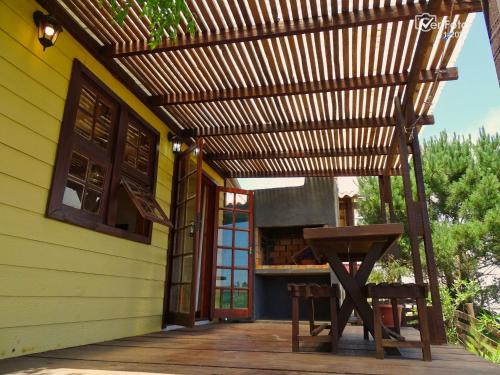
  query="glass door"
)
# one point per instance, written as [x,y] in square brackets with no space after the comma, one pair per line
[186,238]
[233,255]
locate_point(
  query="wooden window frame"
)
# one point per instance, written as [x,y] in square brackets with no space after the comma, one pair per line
[103,222]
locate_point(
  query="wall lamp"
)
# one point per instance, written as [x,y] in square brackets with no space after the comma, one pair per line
[176,142]
[48,28]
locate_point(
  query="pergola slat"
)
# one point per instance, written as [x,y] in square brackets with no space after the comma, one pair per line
[346,84]
[358,123]
[338,21]
[365,151]
[311,173]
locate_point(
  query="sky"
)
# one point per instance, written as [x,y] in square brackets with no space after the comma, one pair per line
[465,105]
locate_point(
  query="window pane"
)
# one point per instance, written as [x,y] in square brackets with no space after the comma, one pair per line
[143,162]
[87,100]
[240,299]
[188,241]
[179,242]
[242,220]
[176,269]
[182,191]
[241,239]
[226,200]
[174,298]
[242,201]
[190,211]
[133,135]
[187,268]
[224,257]
[225,238]
[101,134]
[241,278]
[130,156]
[84,124]
[191,185]
[185,298]
[73,194]
[192,165]
[223,277]
[92,201]
[180,216]
[96,176]
[222,299]
[225,218]
[78,166]
[103,114]
[241,258]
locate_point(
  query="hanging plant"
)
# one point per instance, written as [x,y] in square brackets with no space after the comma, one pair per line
[163,15]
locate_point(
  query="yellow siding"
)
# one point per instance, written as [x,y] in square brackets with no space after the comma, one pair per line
[62,285]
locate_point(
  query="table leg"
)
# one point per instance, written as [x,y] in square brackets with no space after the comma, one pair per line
[353,286]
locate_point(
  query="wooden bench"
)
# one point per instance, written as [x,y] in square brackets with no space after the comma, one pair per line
[310,292]
[395,292]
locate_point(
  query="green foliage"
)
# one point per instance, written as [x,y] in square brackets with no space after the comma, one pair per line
[453,299]
[390,272]
[462,182]
[164,16]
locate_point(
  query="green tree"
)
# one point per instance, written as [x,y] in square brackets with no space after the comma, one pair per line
[164,16]
[462,182]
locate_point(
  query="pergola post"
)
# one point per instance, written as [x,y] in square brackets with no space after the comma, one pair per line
[418,219]
[384,184]
[437,310]
[386,202]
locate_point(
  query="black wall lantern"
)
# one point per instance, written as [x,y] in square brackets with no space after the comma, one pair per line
[176,142]
[48,29]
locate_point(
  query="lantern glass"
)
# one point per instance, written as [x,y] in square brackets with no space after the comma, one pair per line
[48,29]
[176,146]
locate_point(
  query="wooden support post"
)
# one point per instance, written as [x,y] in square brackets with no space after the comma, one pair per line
[295,323]
[390,202]
[439,334]
[400,135]
[396,316]
[424,329]
[334,324]
[383,199]
[377,329]
[312,325]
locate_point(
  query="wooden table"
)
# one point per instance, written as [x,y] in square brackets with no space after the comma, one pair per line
[365,244]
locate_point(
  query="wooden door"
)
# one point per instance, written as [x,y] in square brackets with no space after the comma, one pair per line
[186,238]
[233,254]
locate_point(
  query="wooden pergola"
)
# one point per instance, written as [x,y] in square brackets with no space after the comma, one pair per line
[294,87]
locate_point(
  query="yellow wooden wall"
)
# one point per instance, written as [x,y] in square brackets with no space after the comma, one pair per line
[62,285]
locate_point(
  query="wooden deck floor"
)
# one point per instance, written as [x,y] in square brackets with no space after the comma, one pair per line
[240,348]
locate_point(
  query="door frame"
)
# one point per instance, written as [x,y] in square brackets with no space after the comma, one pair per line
[167,315]
[234,313]
[207,255]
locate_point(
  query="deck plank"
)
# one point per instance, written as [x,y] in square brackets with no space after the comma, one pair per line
[238,348]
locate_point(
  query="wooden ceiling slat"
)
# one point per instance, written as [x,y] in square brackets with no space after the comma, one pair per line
[309,173]
[355,83]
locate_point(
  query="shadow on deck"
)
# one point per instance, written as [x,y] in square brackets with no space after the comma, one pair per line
[240,348]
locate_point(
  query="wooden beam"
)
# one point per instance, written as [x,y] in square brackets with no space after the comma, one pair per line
[234,155]
[309,173]
[421,57]
[422,53]
[299,126]
[356,83]
[338,21]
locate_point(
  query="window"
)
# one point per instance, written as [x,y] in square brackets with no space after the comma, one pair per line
[105,171]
